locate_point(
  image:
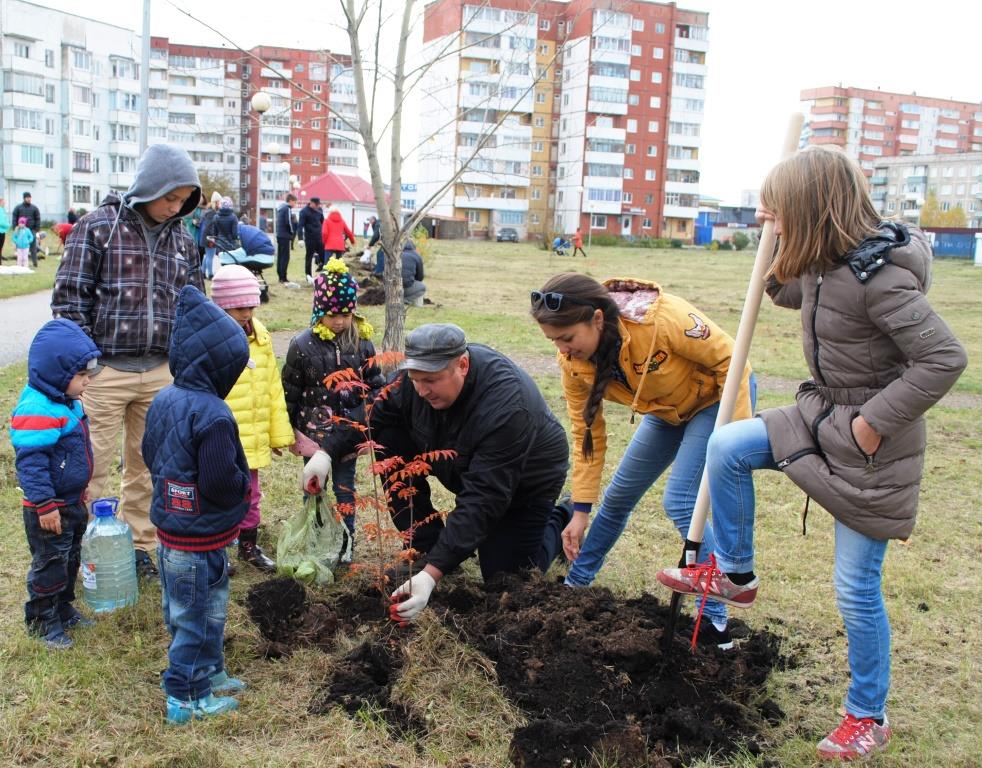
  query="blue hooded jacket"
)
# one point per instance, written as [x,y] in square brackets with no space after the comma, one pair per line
[208,352]
[48,430]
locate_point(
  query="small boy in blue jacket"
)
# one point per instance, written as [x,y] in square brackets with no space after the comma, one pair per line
[201,492]
[50,436]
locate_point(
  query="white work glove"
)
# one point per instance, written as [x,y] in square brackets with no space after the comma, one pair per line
[313,478]
[405,609]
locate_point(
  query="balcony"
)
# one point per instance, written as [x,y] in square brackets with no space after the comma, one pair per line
[27,66]
[276,74]
[683,187]
[604,158]
[679,212]
[877,181]
[691,44]
[911,180]
[879,194]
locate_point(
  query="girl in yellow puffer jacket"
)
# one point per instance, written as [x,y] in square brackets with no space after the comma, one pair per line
[256,399]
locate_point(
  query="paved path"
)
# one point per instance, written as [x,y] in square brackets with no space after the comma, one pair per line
[20,318]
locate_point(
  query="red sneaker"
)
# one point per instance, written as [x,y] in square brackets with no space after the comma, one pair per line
[854,739]
[707,580]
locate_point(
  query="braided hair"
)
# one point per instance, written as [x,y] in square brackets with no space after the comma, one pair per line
[589,296]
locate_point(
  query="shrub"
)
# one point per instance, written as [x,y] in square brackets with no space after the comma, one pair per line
[726,245]
[676,243]
[740,241]
[421,237]
[605,239]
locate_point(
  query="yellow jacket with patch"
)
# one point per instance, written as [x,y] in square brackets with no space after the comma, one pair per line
[687,357]
[258,404]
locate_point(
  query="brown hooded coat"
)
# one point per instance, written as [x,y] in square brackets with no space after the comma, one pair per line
[875,348]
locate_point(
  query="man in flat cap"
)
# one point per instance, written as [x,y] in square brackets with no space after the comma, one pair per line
[510,463]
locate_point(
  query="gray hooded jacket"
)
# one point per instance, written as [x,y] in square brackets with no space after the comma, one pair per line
[875,348]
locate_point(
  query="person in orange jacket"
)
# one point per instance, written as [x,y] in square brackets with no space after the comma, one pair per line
[334,233]
[578,243]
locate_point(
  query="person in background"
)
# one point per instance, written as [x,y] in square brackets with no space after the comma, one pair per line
[627,341]
[335,234]
[578,243]
[310,221]
[208,258]
[72,217]
[29,211]
[854,440]
[53,457]
[124,265]
[4,226]
[200,496]
[23,241]
[256,399]
[285,232]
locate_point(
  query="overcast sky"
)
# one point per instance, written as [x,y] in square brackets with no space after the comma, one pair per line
[761,54]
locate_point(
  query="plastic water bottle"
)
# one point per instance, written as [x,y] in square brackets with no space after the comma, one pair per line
[108,567]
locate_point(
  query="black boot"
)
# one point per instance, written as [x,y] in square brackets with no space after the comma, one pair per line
[250,552]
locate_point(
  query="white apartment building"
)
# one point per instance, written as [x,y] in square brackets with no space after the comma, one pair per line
[900,185]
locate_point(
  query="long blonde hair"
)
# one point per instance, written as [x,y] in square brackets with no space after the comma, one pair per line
[821,197]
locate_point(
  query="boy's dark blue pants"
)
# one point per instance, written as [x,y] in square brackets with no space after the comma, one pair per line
[194,596]
[55,558]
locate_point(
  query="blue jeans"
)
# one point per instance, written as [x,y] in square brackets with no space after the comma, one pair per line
[656,445]
[208,263]
[737,449]
[194,597]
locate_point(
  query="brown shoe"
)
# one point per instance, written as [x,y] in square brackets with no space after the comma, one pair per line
[250,551]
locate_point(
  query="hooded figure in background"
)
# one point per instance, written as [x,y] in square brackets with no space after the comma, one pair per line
[124,266]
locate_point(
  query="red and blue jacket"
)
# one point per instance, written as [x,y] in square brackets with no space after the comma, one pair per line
[49,430]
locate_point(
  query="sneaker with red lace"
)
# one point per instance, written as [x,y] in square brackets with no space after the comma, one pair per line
[854,739]
[707,580]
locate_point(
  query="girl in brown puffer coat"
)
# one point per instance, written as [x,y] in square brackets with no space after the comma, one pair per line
[854,440]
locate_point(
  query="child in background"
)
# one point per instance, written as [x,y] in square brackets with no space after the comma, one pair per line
[201,494]
[54,458]
[23,237]
[338,339]
[256,399]
[854,440]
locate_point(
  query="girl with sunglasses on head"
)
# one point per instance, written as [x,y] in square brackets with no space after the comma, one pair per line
[629,342]
[854,439]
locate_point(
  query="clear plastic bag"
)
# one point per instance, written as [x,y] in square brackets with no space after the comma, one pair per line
[312,543]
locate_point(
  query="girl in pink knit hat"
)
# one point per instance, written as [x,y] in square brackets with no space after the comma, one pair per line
[256,400]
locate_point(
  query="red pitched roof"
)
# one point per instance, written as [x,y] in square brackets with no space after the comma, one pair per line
[339,188]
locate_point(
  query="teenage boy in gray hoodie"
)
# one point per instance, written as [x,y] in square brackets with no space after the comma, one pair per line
[124,266]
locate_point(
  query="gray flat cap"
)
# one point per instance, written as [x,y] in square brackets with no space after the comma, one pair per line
[431,347]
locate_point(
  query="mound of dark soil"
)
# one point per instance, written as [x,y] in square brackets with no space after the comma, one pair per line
[585,666]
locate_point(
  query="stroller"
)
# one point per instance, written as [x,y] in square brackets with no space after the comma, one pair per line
[255,254]
[561,247]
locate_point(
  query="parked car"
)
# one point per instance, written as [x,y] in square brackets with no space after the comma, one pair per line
[507,235]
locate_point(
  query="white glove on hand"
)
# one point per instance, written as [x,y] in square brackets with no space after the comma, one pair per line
[313,478]
[418,588]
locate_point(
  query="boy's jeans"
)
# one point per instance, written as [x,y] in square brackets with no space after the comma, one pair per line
[54,565]
[194,597]
[737,449]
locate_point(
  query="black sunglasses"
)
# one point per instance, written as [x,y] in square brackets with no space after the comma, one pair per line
[554,301]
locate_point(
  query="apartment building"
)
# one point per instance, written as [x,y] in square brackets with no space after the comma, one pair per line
[70,111]
[900,185]
[566,117]
[873,124]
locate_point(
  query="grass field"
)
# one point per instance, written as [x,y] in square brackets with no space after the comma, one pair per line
[99,704]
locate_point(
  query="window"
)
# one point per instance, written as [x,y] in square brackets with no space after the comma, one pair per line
[81,127]
[628,174]
[81,59]
[27,118]
[315,124]
[473,217]
[298,143]
[652,127]
[298,106]
[633,99]
[533,218]
[31,154]
[657,53]
[628,197]
[649,174]
[22,50]
[540,98]
[315,144]
[536,193]
[49,58]
[544,25]
[82,161]
[540,122]
[656,78]
[685,80]
[628,149]
[649,199]
[659,28]
[81,193]
[511,217]
[635,50]
[598,221]
[646,223]
[536,170]
[316,106]
[49,126]
[604,195]
[49,160]
[537,146]
[632,125]
[637,25]
[49,94]
[635,75]
[22,83]
[652,150]
[82,94]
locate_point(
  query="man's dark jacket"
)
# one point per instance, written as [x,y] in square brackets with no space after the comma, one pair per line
[30,212]
[285,230]
[508,444]
[310,222]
